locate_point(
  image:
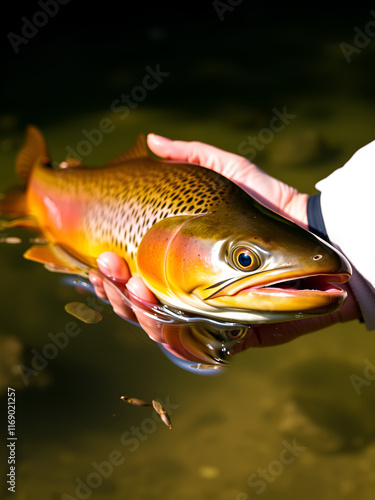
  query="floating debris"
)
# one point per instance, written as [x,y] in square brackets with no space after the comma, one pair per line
[158,407]
[83,312]
[135,401]
[11,240]
[39,240]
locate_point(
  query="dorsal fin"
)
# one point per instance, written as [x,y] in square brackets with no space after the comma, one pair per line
[34,147]
[138,150]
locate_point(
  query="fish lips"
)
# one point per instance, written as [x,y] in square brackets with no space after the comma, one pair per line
[304,295]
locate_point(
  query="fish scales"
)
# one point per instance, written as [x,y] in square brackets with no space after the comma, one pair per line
[121,203]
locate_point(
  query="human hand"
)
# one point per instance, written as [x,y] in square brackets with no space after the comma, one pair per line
[274,194]
[286,200]
[271,192]
[115,269]
[193,342]
[115,280]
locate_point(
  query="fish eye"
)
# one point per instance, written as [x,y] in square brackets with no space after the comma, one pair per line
[236,333]
[245,259]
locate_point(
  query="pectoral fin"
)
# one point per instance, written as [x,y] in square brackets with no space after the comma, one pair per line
[55,259]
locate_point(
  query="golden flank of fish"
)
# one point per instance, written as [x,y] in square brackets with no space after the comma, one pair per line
[198,241]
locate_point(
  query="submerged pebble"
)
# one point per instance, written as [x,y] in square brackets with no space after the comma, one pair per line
[83,312]
[208,472]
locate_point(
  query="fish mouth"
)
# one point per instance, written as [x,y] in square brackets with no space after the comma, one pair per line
[311,294]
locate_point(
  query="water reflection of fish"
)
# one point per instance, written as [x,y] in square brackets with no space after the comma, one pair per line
[199,242]
[195,343]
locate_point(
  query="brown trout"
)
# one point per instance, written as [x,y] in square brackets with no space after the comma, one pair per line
[198,241]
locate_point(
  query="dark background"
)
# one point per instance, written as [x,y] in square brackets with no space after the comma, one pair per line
[258,54]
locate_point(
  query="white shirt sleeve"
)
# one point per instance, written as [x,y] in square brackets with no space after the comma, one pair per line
[348,209]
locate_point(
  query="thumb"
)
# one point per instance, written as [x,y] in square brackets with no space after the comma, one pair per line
[196,152]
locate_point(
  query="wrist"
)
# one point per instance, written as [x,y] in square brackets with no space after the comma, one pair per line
[297,210]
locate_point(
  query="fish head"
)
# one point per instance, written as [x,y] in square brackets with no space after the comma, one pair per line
[247,264]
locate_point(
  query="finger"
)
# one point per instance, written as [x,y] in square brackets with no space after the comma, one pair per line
[113,267]
[271,192]
[196,152]
[116,270]
[97,283]
[116,299]
[110,291]
[143,300]
[241,171]
[137,287]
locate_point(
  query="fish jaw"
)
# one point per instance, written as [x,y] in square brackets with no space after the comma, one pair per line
[287,299]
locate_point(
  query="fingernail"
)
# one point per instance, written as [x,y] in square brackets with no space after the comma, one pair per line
[103,267]
[95,280]
[159,138]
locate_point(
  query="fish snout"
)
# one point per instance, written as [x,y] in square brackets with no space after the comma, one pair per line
[331,261]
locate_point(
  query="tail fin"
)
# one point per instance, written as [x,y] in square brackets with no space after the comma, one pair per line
[34,147]
[13,202]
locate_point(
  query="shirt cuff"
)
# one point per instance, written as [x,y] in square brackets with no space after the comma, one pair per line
[315,217]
